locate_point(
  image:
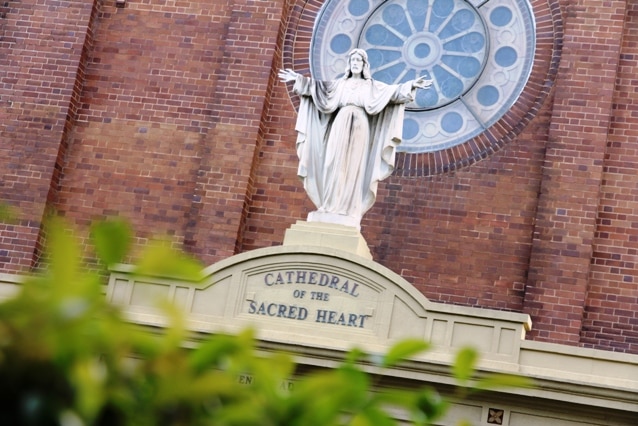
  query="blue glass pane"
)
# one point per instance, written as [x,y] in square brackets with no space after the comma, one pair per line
[418,10]
[506,56]
[410,129]
[394,16]
[378,57]
[391,74]
[434,23]
[441,9]
[422,50]
[410,75]
[426,98]
[501,16]
[487,95]
[379,35]
[452,122]
[461,21]
[340,43]
[450,85]
[358,7]
[465,66]
[469,43]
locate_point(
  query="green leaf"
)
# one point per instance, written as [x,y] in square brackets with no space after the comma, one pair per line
[354,355]
[213,352]
[7,214]
[395,397]
[372,416]
[159,259]
[404,350]
[464,364]
[88,376]
[112,240]
[63,253]
[499,381]
[320,398]
[430,405]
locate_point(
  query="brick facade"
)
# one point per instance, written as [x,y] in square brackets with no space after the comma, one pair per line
[168,113]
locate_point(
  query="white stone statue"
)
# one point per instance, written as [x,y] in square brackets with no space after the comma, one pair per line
[348,130]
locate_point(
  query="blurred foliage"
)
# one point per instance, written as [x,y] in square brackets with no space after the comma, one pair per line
[67,357]
[8,214]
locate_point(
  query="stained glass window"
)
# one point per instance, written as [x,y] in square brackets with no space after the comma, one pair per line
[479,53]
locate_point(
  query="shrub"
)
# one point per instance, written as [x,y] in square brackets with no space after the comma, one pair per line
[67,357]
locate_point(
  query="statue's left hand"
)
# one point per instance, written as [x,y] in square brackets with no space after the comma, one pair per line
[421,83]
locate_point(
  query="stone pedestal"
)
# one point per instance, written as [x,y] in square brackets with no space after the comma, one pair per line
[341,237]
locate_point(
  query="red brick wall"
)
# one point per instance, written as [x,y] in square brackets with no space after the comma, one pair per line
[183,129]
[573,171]
[42,50]
[611,308]
[170,120]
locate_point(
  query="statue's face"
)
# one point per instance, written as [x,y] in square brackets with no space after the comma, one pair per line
[356,64]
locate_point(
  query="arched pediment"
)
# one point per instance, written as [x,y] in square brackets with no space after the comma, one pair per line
[320,297]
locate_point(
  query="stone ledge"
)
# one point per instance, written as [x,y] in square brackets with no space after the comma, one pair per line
[340,237]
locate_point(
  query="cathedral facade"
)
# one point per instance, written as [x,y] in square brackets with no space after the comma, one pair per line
[515,191]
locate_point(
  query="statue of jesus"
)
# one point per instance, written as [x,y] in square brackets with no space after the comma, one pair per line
[348,130]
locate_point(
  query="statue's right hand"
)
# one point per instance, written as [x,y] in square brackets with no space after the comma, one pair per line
[287,75]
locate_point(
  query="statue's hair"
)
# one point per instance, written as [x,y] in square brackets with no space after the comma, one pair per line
[366,74]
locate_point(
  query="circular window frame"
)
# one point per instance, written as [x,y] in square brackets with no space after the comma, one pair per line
[305,15]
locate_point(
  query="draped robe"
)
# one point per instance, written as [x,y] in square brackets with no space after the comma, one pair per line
[348,131]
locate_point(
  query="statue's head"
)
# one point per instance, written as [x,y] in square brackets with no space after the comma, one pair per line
[366,65]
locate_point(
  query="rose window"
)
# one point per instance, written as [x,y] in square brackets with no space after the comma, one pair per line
[479,54]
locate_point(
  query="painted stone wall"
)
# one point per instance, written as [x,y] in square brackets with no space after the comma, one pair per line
[169,114]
